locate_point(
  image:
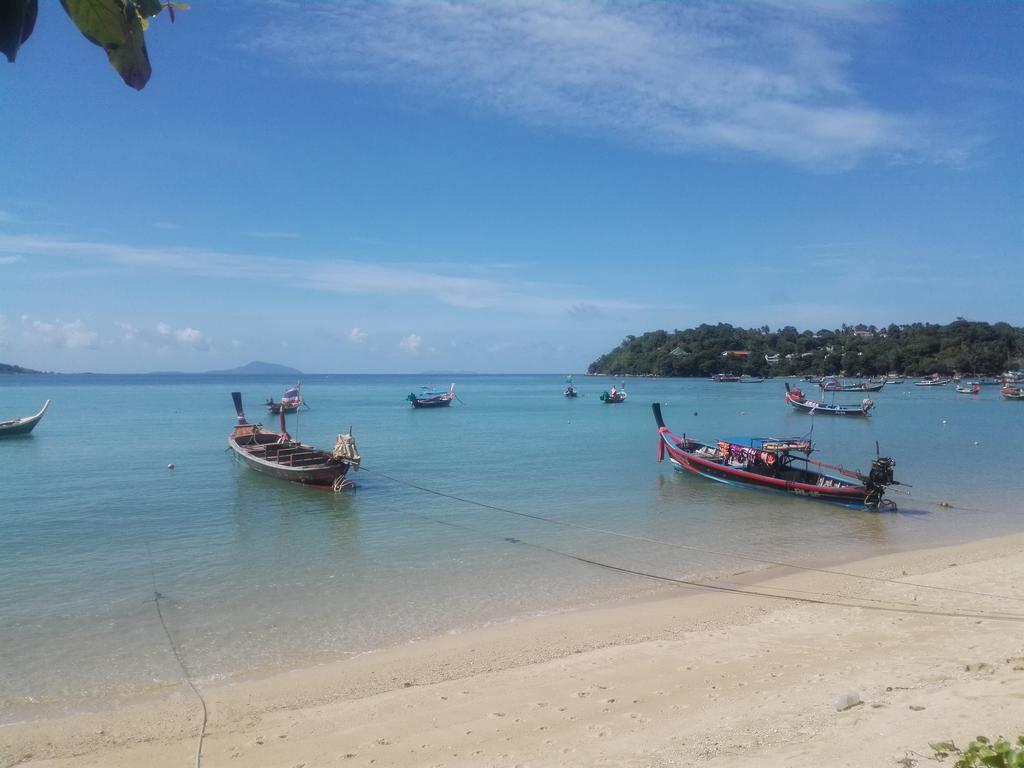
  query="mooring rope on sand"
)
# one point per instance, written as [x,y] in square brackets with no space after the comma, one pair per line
[181,661]
[677,545]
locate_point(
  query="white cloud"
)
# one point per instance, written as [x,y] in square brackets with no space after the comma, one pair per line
[128,331]
[411,343]
[358,336]
[760,77]
[165,225]
[190,337]
[236,344]
[10,259]
[337,275]
[60,334]
[274,235]
[185,337]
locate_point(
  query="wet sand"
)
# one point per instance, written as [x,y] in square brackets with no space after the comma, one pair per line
[699,677]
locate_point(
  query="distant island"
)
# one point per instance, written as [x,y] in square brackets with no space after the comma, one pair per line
[6,369]
[917,349]
[258,368]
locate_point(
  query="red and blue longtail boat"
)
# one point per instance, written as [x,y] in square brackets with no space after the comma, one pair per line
[777,464]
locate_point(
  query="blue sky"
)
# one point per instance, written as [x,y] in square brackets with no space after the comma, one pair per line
[503,187]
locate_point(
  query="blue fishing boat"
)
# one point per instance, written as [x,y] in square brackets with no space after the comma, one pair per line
[432,398]
[796,398]
[24,425]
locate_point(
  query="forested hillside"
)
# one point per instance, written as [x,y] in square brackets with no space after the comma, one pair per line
[5,368]
[918,349]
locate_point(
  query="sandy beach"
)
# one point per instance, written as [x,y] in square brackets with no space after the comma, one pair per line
[931,643]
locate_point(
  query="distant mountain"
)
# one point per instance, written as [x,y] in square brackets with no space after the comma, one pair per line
[259,368]
[10,369]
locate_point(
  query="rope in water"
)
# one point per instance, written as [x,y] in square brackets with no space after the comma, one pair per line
[677,545]
[884,606]
[181,661]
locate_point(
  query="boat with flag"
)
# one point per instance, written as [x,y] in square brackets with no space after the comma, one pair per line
[278,455]
[777,464]
[432,398]
[290,401]
[796,398]
[23,425]
[570,388]
[613,395]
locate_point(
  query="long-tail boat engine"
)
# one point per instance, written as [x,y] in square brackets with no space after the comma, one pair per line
[879,478]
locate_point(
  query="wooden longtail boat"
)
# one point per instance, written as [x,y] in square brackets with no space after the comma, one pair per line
[796,399]
[968,388]
[1012,393]
[428,398]
[834,385]
[277,455]
[935,381]
[290,402]
[24,425]
[771,464]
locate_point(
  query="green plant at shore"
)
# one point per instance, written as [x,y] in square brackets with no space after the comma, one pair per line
[983,752]
[914,349]
[116,26]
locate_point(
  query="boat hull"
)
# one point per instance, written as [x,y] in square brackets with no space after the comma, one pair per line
[24,426]
[1012,393]
[434,402]
[852,387]
[278,407]
[852,497]
[255,446]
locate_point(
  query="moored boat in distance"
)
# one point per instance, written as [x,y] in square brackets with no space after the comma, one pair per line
[278,455]
[570,388]
[835,385]
[776,464]
[1012,393]
[432,398]
[748,379]
[725,378]
[796,398]
[932,381]
[968,388]
[290,402]
[613,395]
[23,425]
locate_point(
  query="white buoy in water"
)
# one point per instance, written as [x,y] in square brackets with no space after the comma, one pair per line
[170,466]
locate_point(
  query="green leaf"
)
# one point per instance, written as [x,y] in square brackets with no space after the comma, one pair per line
[17,20]
[117,29]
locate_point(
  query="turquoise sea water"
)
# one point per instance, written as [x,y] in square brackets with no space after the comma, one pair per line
[260,575]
